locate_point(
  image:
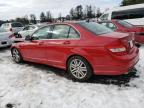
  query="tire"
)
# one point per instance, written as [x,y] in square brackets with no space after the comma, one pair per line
[79,69]
[16,55]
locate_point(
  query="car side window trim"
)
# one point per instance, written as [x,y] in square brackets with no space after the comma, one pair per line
[68,32]
[52,28]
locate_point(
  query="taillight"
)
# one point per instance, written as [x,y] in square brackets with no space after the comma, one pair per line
[11,36]
[11,29]
[117,50]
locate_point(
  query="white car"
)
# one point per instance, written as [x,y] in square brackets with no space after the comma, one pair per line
[12,27]
[5,38]
[27,30]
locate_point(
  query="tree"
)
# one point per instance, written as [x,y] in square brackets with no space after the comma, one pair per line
[131,2]
[72,14]
[49,16]
[42,17]
[67,17]
[60,17]
[33,19]
[1,22]
[79,12]
[26,20]
[89,11]
[98,13]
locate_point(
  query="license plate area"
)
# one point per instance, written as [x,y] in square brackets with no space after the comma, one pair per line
[3,43]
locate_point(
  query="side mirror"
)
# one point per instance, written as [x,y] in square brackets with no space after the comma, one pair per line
[28,38]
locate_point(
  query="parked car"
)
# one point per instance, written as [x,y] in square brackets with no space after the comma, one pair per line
[123,26]
[5,38]
[81,48]
[27,30]
[12,27]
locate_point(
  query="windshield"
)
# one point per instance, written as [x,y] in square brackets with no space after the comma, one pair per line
[95,27]
[125,24]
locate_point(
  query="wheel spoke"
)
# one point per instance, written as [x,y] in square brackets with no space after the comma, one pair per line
[83,68]
[75,62]
[73,70]
[80,63]
[82,73]
[73,66]
[78,68]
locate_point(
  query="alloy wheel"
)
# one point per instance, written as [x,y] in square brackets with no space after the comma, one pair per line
[78,68]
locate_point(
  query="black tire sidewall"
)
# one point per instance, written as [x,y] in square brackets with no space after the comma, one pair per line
[21,59]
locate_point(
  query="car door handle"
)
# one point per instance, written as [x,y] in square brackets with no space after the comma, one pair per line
[66,42]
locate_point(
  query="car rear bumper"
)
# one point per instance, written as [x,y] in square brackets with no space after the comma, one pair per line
[117,67]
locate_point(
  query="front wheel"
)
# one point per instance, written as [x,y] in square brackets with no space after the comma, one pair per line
[16,55]
[79,68]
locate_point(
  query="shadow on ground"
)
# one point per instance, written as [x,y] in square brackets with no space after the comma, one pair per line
[121,80]
[4,49]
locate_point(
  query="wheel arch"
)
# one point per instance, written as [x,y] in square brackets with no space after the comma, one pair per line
[72,55]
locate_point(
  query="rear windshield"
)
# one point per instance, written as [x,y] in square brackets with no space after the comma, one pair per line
[95,27]
[125,24]
[17,25]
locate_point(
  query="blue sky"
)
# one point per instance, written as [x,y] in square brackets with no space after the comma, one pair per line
[10,9]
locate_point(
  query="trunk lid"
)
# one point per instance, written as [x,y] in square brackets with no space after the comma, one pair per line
[121,40]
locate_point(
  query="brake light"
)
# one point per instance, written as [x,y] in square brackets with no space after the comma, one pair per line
[11,29]
[117,50]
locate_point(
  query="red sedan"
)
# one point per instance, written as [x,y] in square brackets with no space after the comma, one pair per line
[123,26]
[81,48]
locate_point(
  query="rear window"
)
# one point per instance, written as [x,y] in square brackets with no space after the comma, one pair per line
[95,27]
[17,25]
[125,24]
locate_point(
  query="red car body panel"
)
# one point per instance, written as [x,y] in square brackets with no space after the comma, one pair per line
[90,46]
[136,29]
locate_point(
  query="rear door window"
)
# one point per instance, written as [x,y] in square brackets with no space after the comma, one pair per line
[60,32]
[73,34]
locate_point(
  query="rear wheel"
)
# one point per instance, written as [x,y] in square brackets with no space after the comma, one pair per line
[79,68]
[16,55]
